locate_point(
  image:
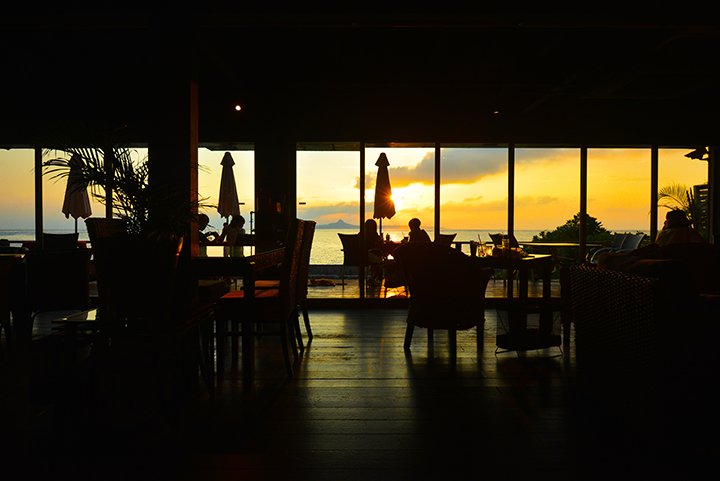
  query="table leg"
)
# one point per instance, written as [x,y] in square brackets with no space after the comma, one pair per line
[545,327]
[248,350]
[220,330]
[248,329]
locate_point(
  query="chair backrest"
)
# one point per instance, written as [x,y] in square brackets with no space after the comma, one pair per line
[497,240]
[304,270]
[632,241]
[289,271]
[60,241]
[99,227]
[618,241]
[351,249]
[447,288]
[102,228]
[445,239]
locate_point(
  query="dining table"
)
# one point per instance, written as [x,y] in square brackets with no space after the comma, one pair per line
[552,247]
[518,336]
[247,268]
[192,328]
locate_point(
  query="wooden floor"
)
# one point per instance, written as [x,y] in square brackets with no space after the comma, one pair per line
[360,407]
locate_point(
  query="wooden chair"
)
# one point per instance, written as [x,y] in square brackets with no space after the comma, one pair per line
[308,234]
[445,239]
[98,227]
[447,290]
[303,275]
[101,228]
[270,306]
[497,240]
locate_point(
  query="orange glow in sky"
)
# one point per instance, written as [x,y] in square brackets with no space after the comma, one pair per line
[473,194]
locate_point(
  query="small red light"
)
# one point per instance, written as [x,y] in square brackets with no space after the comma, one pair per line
[238,107]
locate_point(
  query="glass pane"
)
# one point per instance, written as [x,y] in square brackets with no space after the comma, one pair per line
[677,176]
[547,189]
[17,188]
[412,178]
[327,191]
[54,221]
[209,175]
[473,193]
[619,189]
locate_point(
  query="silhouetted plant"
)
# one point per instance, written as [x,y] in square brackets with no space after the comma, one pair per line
[152,210]
[570,231]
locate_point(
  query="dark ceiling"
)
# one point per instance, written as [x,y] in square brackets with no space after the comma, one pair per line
[499,77]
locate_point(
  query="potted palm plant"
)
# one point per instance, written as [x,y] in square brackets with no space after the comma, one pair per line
[136,269]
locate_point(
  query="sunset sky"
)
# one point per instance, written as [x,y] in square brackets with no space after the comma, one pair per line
[474,187]
[473,192]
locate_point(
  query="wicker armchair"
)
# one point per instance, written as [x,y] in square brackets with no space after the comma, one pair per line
[626,325]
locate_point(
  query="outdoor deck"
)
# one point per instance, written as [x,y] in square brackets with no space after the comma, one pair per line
[496,288]
[360,407]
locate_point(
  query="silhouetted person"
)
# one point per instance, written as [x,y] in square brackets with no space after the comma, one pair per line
[206,238]
[677,230]
[416,233]
[373,244]
[234,234]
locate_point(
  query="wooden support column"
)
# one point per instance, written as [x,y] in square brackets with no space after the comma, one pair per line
[511,189]
[713,196]
[173,131]
[361,268]
[438,157]
[275,190]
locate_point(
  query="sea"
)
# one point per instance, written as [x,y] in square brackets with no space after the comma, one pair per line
[326,248]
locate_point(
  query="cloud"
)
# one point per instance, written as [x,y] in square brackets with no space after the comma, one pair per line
[458,166]
[467,165]
[530,201]
[341,210]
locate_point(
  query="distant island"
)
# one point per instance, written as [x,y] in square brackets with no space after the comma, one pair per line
[340,224]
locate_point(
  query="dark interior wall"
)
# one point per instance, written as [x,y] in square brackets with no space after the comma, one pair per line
[407,78]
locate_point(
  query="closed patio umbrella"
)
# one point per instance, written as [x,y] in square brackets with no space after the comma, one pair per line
[228,202]
[76,202]
[384,205]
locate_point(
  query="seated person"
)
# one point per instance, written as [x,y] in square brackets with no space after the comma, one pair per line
[374,244]
[234,233]
[677,230]
[416,233]
[205,238]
